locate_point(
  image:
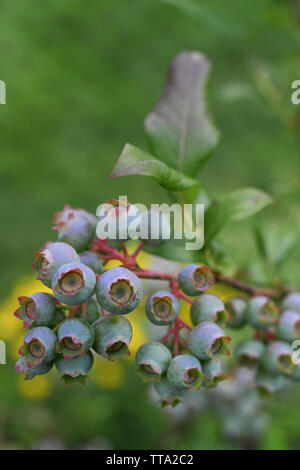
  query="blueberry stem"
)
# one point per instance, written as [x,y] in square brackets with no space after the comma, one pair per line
[138,250]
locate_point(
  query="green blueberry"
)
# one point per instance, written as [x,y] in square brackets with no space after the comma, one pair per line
[74,369]
[213,373]
[194,279]
[236,307]
[249,352]
[208,307]
[277,358]
[185,370]
[261,312]
[288,327]
[152,360]
[113,334]
[169,394]
[162,308]
[75,338]
[208,341]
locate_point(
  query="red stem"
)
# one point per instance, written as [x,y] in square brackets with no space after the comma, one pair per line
[138,250]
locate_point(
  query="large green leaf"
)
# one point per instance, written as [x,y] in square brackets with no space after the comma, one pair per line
[237,205]
[179,129]
[134,161]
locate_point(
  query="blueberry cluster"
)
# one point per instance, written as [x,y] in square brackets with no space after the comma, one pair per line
[269,353]
[86,313]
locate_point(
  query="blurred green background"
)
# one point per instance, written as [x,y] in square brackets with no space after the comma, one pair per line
[80,79]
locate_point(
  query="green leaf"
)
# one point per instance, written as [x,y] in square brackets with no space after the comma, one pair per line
[261,241]
[237,205]
[134,161]
[179,129]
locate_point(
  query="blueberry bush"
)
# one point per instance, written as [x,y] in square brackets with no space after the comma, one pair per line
[89,309]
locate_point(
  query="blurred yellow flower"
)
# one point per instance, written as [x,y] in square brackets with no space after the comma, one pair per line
[37,389]
[11,325]
[108,374]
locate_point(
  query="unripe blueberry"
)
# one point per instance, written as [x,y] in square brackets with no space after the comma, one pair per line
[119,290]
[185,370]
[162,308]
[208,307]
[75,338]
[295,375]
[208,341]
[168,393]
[38,346]
[117,215]
[278,358]
[49,260]
[152,360]
[36,310]
[74,283]
[30,373]
[92,312]
[213,373]
[261,312]
[236,307]
[113,334]
[249,352]
[194,279]
[76,227]
[158,227]
[291,301]
[75,369]
[288,327]
[91,260]
[268,384]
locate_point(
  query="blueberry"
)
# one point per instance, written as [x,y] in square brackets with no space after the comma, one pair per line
[30,373]
[194,279]
[75,369]
[152,360]
[75,227]
[36,310]
[236,307]
[291,301]
[295,375]
[113,334]
[92,312]
[261,312]
[119,291]
[249,352]
[75,337]
[38,346]
[49,260]
[288,327]
[208,307]
[277,358]
[268,384]
[185,370]
[91,260]
[208,341]
[169,394]
[73,283]
[213,373]
[162,308]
